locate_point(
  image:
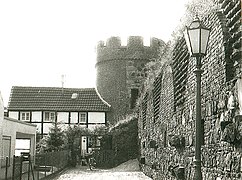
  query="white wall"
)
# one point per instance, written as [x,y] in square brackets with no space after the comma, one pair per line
[38,126]
[74,117]
[36,116]
[18,129]
[96,117]
[46,127]
[62,117]
[93,126]
[13,114]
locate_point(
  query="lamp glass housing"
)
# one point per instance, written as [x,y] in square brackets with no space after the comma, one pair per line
[197,36]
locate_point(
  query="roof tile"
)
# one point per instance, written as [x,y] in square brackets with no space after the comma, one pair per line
[55,99]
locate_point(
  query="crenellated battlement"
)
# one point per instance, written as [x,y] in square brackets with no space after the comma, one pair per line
[121,69]
[135,42]
[135,48]
[132,42]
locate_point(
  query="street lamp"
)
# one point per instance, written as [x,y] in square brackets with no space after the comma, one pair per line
[197,36]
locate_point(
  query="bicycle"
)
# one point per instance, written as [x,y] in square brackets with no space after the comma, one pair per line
[91,163]
[90,160]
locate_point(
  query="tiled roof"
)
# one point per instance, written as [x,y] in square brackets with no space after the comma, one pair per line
[56,99]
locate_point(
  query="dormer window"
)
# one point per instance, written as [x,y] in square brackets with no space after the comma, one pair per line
[74,96]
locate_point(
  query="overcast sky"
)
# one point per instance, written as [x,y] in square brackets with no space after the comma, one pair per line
[41,40]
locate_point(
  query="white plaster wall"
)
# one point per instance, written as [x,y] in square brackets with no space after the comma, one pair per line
[18,129]
[96,117]
[74,117]
[13,114]
[46,127]
[93,126]
[15,128]
[36,116]
[64,127]
[38,126]
[62,117]
[80,125]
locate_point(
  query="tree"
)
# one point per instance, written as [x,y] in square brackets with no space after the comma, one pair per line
[200,8]
[55,140]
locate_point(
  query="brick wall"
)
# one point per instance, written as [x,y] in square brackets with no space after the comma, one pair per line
[172,129]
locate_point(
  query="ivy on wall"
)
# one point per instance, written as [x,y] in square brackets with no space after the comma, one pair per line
[124,140]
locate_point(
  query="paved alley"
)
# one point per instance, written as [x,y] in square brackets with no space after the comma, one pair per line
[126,171]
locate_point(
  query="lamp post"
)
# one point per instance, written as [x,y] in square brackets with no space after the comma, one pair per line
[196,36]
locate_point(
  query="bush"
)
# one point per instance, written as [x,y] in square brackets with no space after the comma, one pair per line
[54,141]
[124,138]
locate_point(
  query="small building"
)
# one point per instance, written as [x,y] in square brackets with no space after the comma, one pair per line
[15,137]
[44,106]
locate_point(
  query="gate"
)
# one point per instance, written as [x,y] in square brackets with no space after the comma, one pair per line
[104,158]
[17,168]
[32,167]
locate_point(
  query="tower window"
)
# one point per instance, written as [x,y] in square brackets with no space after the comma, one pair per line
[134,96]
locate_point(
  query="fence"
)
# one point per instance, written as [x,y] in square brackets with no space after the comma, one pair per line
[33,167]
[104,158]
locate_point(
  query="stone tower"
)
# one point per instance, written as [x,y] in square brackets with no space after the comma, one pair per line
[121,71]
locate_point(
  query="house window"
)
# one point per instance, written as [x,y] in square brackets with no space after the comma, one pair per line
[25,116]
[22,145]
[6,149]
[94,141]
[91,142]
[82,118]
[49,116]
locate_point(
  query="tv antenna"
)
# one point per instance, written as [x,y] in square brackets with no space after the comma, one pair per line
[63,76]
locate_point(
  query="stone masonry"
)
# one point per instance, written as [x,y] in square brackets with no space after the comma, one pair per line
[167,108]
[121,71]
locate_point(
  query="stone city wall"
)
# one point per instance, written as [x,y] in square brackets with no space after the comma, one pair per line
[167,109]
